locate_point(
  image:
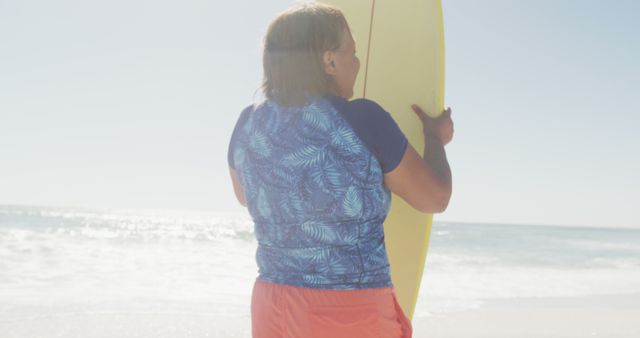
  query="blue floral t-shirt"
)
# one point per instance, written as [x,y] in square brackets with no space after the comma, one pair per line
[314,186]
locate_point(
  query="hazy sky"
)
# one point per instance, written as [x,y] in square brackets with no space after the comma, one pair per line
[130,104]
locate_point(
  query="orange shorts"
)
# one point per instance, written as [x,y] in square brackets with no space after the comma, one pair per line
[284,311]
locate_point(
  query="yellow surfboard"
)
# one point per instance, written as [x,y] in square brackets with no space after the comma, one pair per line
[400,44]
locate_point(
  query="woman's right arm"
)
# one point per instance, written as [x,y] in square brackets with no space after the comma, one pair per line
[425,182]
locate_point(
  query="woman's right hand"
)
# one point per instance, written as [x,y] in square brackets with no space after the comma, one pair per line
[442,126]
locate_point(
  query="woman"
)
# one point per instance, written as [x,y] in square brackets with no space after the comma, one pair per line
[316,172]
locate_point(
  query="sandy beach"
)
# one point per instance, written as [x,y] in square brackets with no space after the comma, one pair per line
[118,319]
[613,316]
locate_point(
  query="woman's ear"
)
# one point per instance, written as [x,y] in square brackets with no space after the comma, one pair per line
[329,62]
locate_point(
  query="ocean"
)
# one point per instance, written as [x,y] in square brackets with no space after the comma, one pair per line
[72,263]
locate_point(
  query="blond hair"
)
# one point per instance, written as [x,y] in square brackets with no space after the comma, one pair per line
[293,52]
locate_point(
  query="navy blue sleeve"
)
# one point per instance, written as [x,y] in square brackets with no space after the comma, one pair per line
[243,117]
[377,129]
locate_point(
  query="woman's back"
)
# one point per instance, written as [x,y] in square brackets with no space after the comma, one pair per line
[314,188]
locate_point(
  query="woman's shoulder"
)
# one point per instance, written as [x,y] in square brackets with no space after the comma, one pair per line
[244,114]
[252,107]
[376,127]
[358,107]
[364,103]
[362,112]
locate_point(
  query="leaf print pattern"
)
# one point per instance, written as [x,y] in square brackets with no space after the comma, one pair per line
[308,156]
[327,178]
[316,196]
[352,202]
[314,117]
[263,204]
[260,144]
[317,232]
[238,157]
[345,141]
